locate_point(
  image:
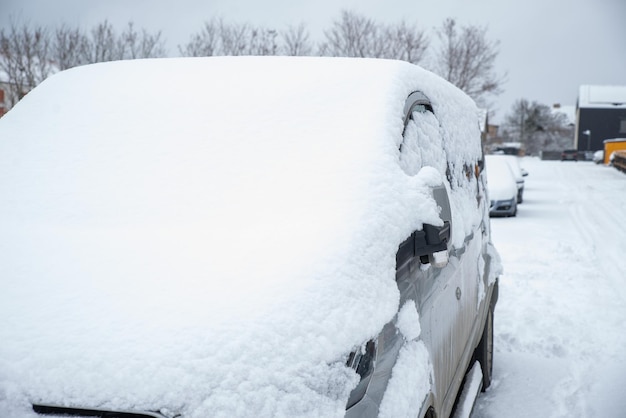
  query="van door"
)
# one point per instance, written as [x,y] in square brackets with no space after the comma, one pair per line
[439,291]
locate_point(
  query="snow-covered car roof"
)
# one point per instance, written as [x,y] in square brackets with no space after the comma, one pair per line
[174,229]
[513,162]
[500,178]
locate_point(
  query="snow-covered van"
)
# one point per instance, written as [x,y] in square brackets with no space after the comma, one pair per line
[244,237]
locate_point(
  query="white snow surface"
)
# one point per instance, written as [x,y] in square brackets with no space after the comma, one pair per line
[560,317]
[210,236]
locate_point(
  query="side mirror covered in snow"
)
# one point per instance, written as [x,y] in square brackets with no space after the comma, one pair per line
[431,243]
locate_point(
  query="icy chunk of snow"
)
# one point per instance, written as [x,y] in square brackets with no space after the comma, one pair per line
[408,321]
[409,384]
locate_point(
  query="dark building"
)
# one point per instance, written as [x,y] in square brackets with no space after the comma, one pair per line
[600,115]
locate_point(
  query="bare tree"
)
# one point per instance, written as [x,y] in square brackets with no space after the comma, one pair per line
[29,53]
[69,47]
[263,42]
[220,38]
[234,38]
[537,127]
[296,41]
[353,35]
[135,45]
[467,58]
[405,43]
[103,45]
[24,57]
[357,36]
[206,43]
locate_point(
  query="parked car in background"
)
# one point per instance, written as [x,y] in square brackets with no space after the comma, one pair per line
[502,187]
[598,157]
[518,173]
[569,155]
[282,236]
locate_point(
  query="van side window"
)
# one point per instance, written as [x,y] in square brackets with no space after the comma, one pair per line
[422,145]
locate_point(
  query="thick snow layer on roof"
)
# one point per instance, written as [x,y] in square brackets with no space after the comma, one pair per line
[209,236]
[602,96]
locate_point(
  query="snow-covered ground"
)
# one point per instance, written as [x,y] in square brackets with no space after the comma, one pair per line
[561,318]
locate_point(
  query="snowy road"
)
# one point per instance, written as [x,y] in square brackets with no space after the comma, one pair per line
[561,318]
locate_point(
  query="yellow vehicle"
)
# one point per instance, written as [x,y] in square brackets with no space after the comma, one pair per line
[612,145]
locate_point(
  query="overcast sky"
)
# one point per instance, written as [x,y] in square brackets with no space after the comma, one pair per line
[548,48]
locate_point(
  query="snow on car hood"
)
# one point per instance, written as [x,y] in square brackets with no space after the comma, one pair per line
[205,236]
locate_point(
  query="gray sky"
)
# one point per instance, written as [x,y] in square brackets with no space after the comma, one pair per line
[548,48]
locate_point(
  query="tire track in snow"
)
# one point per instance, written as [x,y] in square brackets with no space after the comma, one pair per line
[596,220]
[605,232]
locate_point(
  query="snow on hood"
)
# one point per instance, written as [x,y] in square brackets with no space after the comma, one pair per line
[206,236]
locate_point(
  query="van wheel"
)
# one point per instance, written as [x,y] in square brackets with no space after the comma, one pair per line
[484,351]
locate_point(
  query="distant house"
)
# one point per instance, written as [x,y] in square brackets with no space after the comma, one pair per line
[4,94]
[3,105]
[600,115]
[7,95]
